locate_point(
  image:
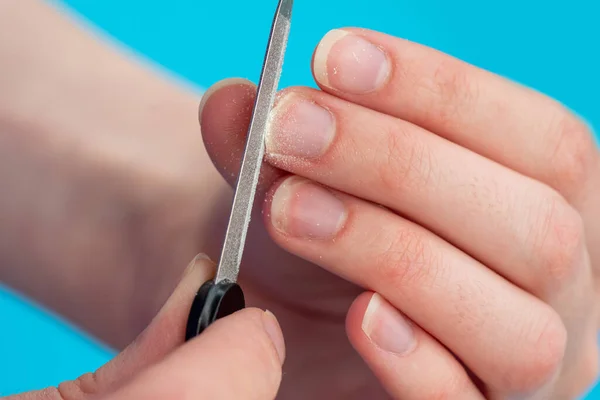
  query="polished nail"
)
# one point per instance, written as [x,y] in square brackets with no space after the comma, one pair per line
[274,331]
[387,328]
[299,128]
[306,210]
[350,63]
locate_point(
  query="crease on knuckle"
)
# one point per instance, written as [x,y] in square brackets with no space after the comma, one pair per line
[405,258]
[573,154]
[557,242]
[454,90]
[403,162]
[545,340]
[80,388]
[470,315]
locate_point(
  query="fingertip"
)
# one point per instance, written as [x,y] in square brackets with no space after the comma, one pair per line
[224,114]
[201,261]
[200,270]
[355,316]
[220,85]
[253,336]
[397,351]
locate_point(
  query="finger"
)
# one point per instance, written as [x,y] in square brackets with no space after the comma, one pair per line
[521,228]
[165,333]
[407,360]
[224,113]
[508,338]
[538,236]
[508,123]
[238,357]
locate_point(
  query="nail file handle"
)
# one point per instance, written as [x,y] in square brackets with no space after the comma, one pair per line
[212,302]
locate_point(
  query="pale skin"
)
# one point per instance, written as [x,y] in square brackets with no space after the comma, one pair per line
[428,230]
[157,365]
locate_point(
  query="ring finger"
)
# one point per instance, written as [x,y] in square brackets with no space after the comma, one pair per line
[508,338]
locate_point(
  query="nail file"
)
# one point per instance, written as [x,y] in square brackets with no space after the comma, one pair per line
[223,296]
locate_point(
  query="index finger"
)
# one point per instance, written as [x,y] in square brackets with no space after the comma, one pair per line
[508,123]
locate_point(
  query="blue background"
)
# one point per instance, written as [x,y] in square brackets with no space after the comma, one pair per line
[551,45]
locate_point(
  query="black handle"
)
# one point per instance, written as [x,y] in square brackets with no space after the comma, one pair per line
[213,301]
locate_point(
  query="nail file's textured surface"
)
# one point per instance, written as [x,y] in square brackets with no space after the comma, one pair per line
[233,247]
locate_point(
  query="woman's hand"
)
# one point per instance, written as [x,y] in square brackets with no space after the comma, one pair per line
[489,191]
[238,357]
[106,187]
[469,205]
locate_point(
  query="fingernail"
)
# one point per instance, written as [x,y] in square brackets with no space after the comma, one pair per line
[387,328]
[350,63]
[274,331]
[225,83]
[198,271]
[306,210]
[199,258]
[299,128]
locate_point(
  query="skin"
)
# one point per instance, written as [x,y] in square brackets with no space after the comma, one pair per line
[504,307]
[96,209]
[158,365]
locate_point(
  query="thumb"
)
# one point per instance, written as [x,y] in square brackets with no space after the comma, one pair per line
[164,334]
[238,357]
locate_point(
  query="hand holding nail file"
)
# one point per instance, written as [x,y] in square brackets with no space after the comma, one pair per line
[223,296]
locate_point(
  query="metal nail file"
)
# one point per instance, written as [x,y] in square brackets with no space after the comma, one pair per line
[223,296]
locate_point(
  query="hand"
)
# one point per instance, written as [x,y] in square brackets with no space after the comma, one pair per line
[238,357]
[468,204]
[106,187]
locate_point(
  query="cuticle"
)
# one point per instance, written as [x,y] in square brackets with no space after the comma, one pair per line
[344,226]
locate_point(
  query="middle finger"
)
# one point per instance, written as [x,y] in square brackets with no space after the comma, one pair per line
[511,340]
[518,226]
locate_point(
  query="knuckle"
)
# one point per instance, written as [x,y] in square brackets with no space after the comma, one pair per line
[404,162]
[559,242]
[404,257]
[454,89]
[541,360]
[80,388]
[573,155]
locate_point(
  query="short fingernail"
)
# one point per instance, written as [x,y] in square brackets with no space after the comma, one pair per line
[274,331]
[350,63]
[229,82]
[387,328]
[299,128]
[196,261]
[198,271]
[306,210]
